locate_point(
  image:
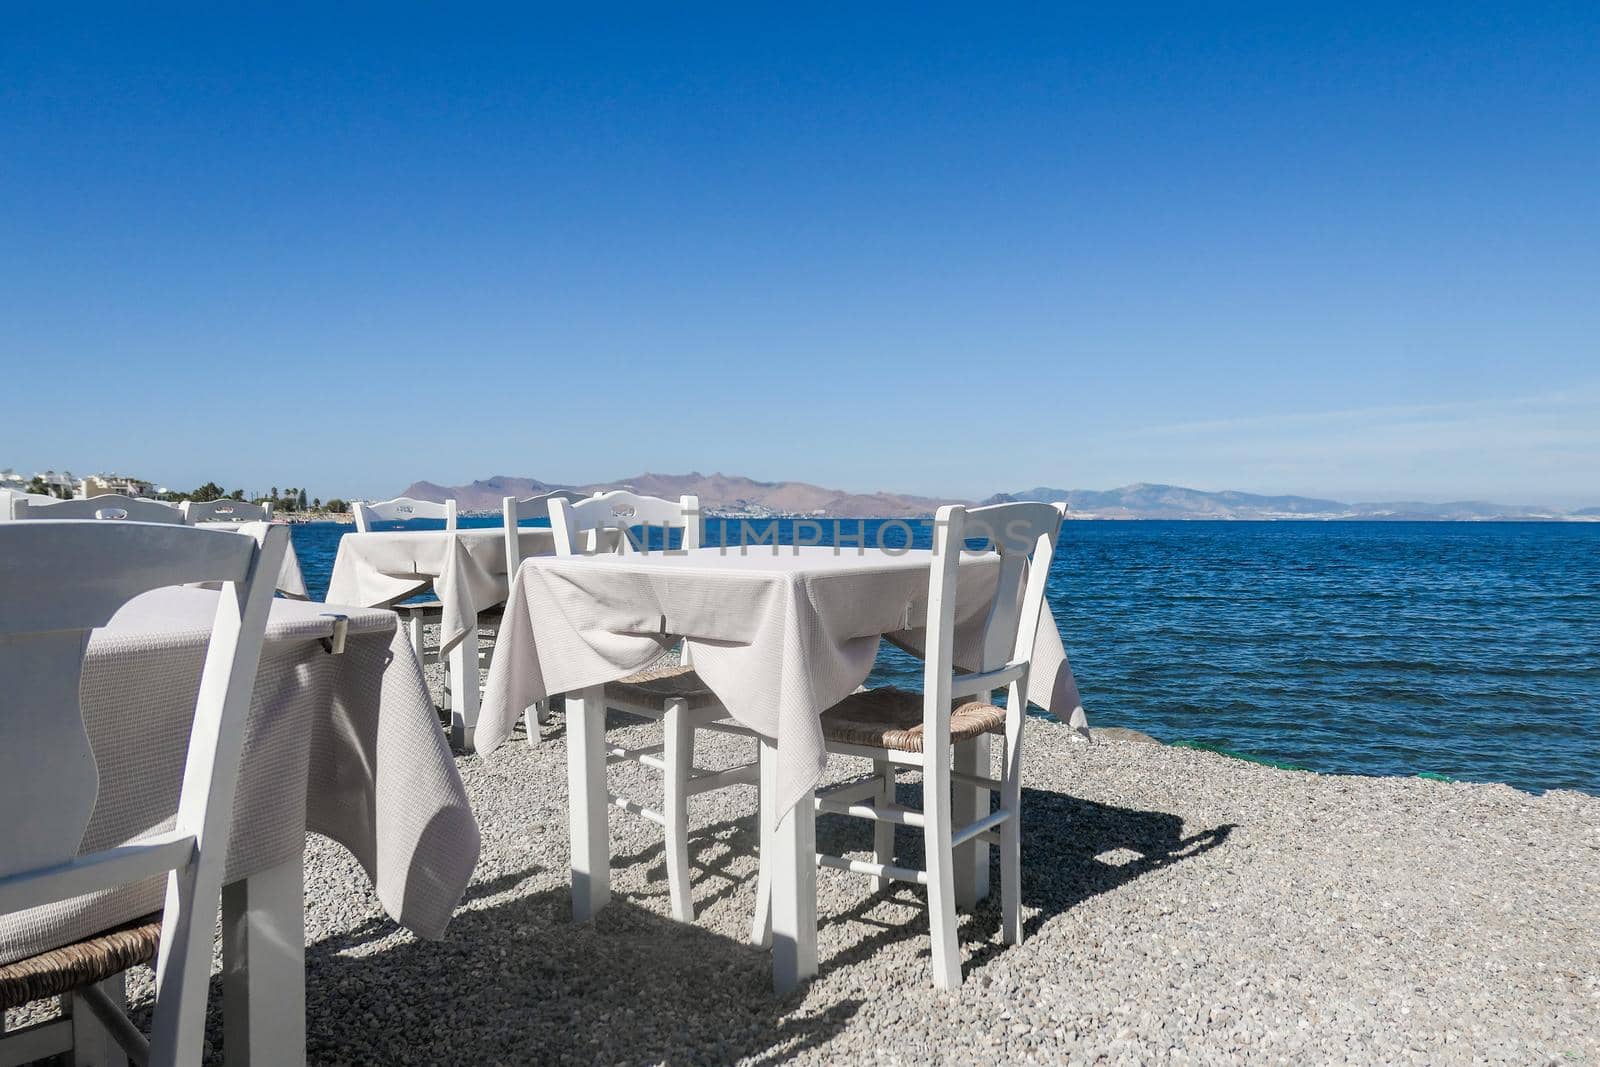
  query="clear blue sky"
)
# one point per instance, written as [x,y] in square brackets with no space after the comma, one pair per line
[1350,250]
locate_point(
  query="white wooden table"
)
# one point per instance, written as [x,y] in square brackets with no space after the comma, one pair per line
[465,568]
[344,744]
[779,635]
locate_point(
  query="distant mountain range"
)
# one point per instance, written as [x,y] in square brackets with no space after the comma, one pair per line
[735,495]
[1142,501]
[720,493]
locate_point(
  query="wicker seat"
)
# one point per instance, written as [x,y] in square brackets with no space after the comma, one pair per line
[892,718]
[70,967]
[661,682]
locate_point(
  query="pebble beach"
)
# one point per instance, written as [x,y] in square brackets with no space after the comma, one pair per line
[1181,906]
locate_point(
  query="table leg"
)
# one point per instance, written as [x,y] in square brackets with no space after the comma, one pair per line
[971,859]
[588,804]
[794,896]
[264,967]
[766,832]
[463,682]
[414,628]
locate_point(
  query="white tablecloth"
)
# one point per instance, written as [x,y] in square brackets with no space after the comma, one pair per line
[466,569]
[347,745]
[291,580]
[779,637]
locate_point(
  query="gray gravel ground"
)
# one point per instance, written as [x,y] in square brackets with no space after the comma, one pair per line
[1180,907]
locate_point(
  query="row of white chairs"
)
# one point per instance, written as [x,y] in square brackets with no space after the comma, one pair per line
[131,509]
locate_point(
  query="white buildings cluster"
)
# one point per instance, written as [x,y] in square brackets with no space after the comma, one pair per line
[66,484]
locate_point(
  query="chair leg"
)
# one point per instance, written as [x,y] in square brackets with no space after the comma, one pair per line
[264,967]
[1011,833]
[678,755]
[92,1043]
[971,804]
[535,716]
[941,866]
[883,832]
[767,822]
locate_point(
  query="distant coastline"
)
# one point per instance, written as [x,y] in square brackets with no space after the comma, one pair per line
[717,513]
[736,496]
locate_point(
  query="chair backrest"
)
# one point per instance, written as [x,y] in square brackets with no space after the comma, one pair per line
[532,507]
[58,581]
[105,506]
[225,511]
[8,495]
[402,509]
[1024,536]
[579,525]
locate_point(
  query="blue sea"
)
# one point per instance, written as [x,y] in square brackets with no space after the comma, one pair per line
[1466,650]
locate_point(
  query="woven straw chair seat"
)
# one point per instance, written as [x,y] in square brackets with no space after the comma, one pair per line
[94,959]
[657,684]
[892,718]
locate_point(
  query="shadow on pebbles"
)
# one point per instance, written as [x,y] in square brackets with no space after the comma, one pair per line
[1180,906]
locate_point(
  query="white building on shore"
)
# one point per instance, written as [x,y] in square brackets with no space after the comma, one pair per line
[122,485]
[67,485]
[63,485]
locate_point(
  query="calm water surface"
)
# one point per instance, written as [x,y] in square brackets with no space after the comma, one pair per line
[1470,650]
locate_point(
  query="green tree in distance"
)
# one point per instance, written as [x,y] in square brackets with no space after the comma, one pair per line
[40,487]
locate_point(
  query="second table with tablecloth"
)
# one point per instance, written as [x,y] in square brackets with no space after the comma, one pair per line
[779,635]
[465,569]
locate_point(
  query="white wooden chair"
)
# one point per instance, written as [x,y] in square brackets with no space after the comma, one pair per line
[225,511]
[8,495]
[517,511]
[404,509]
[401,509]
[59,580]
[673,695]
[106,506]
[944,732]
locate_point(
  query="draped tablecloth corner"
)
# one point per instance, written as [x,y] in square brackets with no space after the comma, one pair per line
[386,787]
[359,729]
